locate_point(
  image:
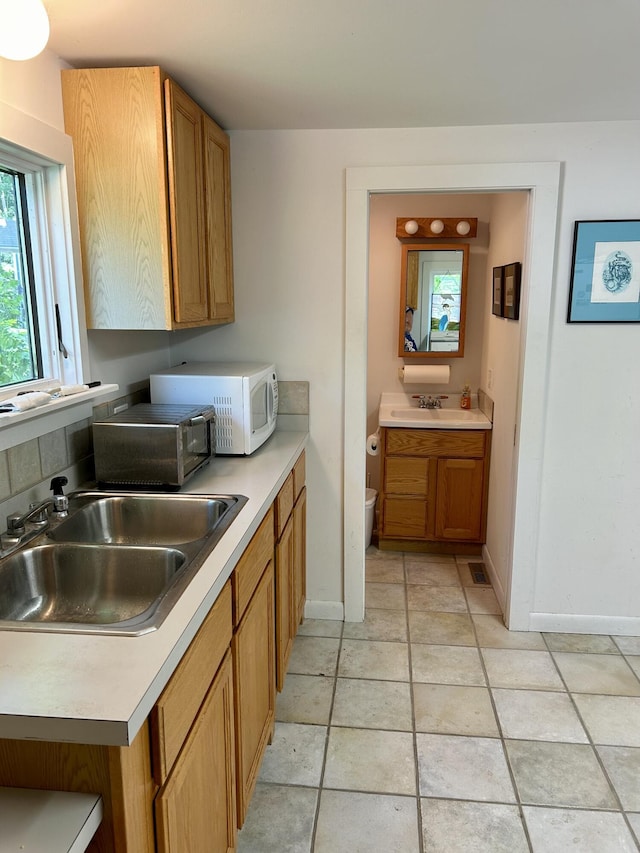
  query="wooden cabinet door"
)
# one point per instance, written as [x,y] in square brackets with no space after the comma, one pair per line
[459,499]
[196,808]
[300,559]
[186,205]
[285,628]
[254,684]
[217,191]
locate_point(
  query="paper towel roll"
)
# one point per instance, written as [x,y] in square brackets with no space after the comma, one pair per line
[373,444]
[426,374]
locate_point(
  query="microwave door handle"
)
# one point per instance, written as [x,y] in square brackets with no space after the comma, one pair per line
[270,401]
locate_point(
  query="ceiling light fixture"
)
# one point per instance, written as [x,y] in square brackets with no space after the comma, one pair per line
[24,28]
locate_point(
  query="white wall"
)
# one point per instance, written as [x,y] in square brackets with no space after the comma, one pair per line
[289,249]
[500,378]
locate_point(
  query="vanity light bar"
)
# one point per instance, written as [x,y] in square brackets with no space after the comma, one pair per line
[421,227]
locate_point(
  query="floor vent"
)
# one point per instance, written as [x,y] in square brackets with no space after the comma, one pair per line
[479,574]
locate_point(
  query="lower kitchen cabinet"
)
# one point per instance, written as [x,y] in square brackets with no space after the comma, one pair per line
[290,566]
[196,809]
[184,784]
[254,665]
[434,488]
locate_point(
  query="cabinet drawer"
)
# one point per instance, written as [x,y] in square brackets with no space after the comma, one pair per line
[284,505]
[407,476]
[435,442]
[299,476]
[405,517]
[251,565]
[177,707]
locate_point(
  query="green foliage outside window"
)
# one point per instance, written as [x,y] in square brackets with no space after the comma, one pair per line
[16,354]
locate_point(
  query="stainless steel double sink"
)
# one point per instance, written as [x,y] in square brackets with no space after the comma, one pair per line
[116,565]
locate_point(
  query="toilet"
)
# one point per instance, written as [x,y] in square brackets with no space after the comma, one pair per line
[369,512]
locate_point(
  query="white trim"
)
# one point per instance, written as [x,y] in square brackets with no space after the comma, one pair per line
[574,623]
[50,151]
[543,180]
[324,610]
[18,427]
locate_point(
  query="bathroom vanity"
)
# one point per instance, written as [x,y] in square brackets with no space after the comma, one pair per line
[434,478]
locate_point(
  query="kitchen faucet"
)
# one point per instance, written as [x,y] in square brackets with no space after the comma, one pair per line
[37,514]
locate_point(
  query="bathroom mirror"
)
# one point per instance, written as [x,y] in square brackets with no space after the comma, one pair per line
[433,300]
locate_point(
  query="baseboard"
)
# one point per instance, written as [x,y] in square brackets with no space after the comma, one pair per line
[572,623]
[324,610]
[496,583]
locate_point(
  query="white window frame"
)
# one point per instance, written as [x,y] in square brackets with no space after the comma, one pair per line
[45,154]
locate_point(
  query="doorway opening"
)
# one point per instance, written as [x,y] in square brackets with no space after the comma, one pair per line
[542,182]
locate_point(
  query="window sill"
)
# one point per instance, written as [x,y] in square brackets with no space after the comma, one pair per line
[18,427]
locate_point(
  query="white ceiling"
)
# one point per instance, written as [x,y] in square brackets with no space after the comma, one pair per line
[284,64]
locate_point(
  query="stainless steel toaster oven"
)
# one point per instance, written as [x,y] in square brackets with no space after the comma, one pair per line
[153,446]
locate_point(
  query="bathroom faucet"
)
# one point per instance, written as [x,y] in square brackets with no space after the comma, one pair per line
[428,402]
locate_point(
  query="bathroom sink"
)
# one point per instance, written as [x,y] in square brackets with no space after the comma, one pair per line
[457,416]
[393,414]
[128,519]
[86,584]
[116,565]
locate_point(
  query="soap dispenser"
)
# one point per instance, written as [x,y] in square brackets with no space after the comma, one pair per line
[465,397]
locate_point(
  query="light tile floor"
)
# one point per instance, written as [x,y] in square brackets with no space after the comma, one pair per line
[429,727]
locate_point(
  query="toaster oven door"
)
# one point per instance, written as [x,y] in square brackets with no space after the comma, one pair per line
[198,442]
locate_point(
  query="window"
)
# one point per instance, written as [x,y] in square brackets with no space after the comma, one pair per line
[19,340]
[42,330]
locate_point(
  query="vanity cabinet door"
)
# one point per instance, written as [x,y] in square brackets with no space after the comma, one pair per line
[459,503]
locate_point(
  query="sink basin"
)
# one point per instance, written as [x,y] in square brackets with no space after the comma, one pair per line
[396,410]
[85,584]
[116,565]
[129,519]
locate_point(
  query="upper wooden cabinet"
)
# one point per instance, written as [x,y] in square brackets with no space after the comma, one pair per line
[154,200]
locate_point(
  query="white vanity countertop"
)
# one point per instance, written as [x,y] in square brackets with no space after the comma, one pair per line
[85,688]
[401,410]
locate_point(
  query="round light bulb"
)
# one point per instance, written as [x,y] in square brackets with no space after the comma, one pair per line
[437,226]
[411,227]
[24,28]
[463,228]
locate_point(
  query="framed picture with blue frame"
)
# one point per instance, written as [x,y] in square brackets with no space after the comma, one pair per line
[605,272]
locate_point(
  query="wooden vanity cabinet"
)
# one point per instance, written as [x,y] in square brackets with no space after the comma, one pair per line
[434,488]
[154,201]
[254,669]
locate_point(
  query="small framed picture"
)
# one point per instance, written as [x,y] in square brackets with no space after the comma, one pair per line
[511,299]
[498,291]
[605,272]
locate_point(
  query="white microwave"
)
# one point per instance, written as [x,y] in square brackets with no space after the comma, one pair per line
[244,396]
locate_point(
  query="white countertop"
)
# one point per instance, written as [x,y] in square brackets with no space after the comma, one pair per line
[84,688]
[401,410]
[55,821]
